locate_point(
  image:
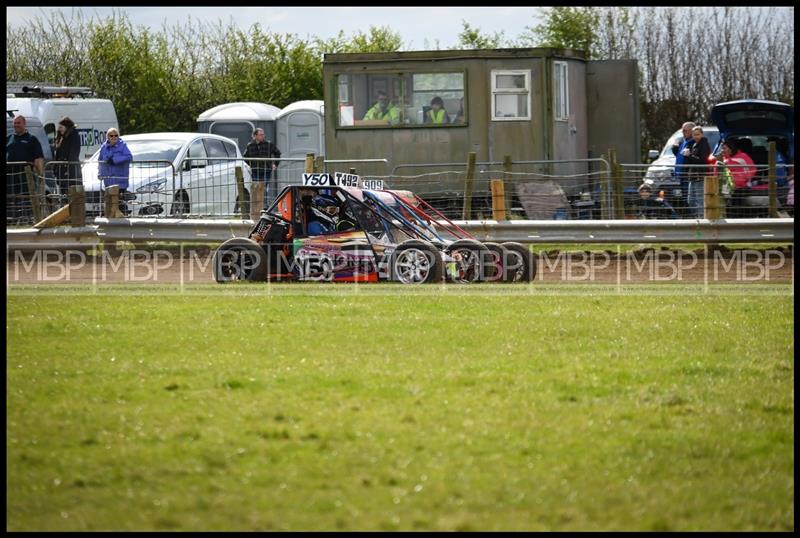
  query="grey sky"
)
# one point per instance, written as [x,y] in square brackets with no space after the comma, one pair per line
[414,24]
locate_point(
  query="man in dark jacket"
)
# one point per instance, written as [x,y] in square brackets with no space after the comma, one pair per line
[260,148]
[21,147]
[697,156]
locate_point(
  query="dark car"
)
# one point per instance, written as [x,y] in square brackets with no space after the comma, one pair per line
[754,124]
[51,190]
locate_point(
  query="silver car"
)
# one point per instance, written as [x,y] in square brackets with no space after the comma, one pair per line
[175,175]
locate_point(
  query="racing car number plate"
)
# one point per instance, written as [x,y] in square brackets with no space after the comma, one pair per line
[318,180]
[341,180]
[346,180]
[374,184]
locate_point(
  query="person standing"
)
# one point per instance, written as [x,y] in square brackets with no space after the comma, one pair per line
[21,147]
[115,159]
[679,150]
[261,148]
[68,148]
[697,156]
[742,170]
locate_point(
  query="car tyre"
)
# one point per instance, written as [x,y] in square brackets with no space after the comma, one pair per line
[240,258]
[523,263]
[501,259]
[416,262]
[236,211]
[471,260]
[180,205]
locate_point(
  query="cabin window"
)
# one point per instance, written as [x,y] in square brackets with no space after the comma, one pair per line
[400,100]
[511,95]
[561,92]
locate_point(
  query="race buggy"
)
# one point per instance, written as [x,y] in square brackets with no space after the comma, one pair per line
[335,233]
[510,261]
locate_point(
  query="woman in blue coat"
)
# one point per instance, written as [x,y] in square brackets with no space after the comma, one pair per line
[115,159]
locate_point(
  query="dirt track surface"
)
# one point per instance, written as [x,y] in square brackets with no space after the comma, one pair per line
[641,266]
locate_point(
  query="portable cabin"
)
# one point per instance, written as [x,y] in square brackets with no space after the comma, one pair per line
[300,130]
[238,120]
[532,104]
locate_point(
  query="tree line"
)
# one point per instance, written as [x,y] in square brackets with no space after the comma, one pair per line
[688,58]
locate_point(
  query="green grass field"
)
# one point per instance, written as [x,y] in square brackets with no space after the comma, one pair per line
[328,408]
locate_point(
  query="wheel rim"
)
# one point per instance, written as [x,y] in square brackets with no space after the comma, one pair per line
[412,266]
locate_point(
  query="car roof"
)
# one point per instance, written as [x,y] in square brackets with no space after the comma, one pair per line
[173,136]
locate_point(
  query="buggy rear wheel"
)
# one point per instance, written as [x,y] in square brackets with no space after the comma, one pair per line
[498,270]
[472,261]
[521,262]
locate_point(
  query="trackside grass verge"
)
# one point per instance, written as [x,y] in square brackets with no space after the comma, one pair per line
[411,412]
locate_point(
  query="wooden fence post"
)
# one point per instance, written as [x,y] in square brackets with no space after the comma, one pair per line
[36,205]
[319,164]
[468,182]
[711,196]
[256,199]
[309,169]
[772,185]
[604,185]
[240,188]
[498,199]
[508,181]
[77,205]
[616,185]
[353,171]
[112,210]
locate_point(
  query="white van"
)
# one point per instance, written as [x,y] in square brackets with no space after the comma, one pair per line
[51,103]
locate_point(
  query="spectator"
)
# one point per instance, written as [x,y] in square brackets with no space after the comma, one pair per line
[68,148]
[790,194]
[21,147]
[651,207]
[261,148]
[115,159]
[678,150]
[742,170]
[436,114]
[697,155]
[383,110]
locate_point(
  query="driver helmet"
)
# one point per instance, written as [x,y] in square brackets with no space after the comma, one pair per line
[325,208]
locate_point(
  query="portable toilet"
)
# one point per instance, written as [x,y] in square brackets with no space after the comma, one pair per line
[300,131]
[238,120]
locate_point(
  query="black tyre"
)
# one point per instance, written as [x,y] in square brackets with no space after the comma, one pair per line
[180,205]
[473,261]
[236,210]
[416,262]
[521,264]
[240,259]
[498,270]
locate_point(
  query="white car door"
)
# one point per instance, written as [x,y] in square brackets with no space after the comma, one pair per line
[221,178]
[193,178]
